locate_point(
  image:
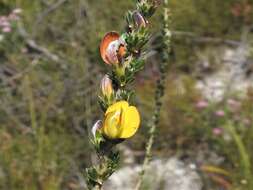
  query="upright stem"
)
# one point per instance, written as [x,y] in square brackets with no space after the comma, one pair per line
[160,86]
[97,187]
[245,159]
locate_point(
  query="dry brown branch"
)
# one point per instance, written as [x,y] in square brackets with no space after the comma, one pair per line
[195,38]
[33,45]
[50,9]
[202,39]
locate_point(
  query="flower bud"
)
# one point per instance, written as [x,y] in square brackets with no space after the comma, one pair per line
[96,127]
[139,20]
[106,86]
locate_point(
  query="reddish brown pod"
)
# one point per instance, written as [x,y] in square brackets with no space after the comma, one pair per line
[112,49]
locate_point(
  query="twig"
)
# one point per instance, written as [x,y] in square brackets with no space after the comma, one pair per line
[185,35]
[49,10]
[45,2]
[202,39]
[32,44]
[40,49]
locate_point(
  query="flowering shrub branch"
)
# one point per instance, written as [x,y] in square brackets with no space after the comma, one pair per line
[123,54]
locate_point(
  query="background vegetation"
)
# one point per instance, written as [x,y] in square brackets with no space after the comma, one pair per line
[50,70]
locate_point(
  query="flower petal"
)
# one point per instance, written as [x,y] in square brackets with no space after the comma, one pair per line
[111,124]
[121,105]
[130,122]
[112,52]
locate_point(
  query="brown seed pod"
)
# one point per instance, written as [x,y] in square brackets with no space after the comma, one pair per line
[111,48]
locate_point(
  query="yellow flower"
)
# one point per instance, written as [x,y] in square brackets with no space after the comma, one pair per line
[121,121]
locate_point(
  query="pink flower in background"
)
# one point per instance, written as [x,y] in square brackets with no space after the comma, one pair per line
[233,105]
[232,101]
[3,18]
[4,23]
[202,104]
[7,20]
[13,17]
[6,29]
[217,131]
[220,113]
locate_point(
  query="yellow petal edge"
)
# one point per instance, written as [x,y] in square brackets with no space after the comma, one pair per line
[121,121]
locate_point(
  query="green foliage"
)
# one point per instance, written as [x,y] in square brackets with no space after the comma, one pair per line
[136,40]
[96,175]
[147,7]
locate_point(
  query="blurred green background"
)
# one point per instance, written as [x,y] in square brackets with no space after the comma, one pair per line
[50,69]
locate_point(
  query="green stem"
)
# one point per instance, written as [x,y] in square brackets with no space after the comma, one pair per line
[36,129]
[31,104]
[97,187]
[159,92]
[245,159]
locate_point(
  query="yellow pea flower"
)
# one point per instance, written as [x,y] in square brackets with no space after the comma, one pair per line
[121,121]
